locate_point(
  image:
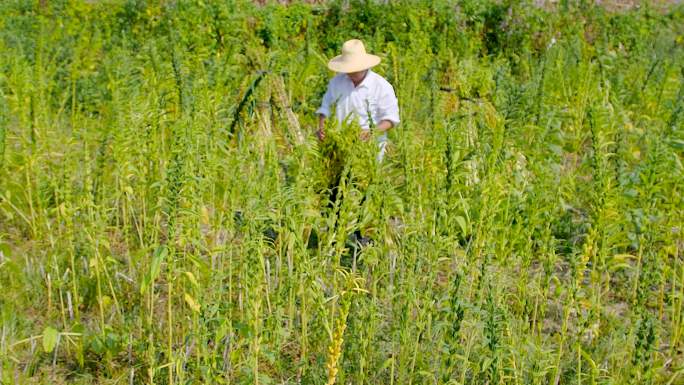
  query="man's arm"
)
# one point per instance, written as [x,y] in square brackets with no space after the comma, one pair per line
[388,109]
[384,125]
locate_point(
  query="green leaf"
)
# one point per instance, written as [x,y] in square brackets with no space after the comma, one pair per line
[155,268]
[386,364]
[677,144]
[486,363]
[265,379]
[462,224]
[5,250]
[50,337]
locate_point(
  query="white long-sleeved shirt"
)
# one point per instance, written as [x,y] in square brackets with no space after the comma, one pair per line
[374,97]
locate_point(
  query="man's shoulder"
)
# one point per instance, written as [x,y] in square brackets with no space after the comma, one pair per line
[338,78]
[380,81]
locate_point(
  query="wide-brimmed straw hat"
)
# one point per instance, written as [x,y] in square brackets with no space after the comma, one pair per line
[353,59]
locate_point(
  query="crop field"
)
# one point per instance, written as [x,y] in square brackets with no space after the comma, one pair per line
[166,215]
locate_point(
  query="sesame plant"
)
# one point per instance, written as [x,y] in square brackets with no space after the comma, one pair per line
[167,215]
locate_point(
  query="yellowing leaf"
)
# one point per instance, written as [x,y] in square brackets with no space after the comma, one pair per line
[192,303]
[61,209]
[192,279]
[106,301]
[204,215]
[621,261]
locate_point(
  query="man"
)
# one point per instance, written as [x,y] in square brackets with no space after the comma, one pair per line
[359,94]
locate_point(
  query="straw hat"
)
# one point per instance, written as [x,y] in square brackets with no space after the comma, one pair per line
[354,58]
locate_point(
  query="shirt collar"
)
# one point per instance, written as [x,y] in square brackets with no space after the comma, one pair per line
[365,83]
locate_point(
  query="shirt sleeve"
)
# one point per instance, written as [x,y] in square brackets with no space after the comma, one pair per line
[324,109]
[388,106]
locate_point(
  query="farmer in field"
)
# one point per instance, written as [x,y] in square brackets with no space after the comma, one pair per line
[359,95]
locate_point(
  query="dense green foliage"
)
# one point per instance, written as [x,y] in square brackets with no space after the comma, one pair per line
[162,220]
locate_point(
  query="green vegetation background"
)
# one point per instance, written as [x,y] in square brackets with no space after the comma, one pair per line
[163,217]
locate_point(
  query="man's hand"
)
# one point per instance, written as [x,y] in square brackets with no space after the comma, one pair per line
[365,135]
[321,134]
